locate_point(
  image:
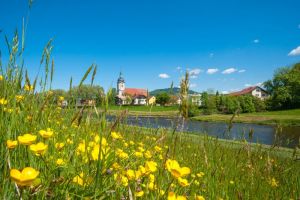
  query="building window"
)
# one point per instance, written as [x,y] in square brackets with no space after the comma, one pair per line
[257,90]
[257,95]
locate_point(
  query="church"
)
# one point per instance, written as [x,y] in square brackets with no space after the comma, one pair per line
[130,96]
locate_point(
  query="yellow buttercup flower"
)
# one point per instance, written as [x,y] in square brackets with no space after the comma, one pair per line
[3,101]
[158,149]
[96,150]
[1,77]
[38,148]
[181,198]
[59,145]
[28,87]
[138,154]
[124,181]
[148,154]
[116,135]
[200,174]
[46,133]
[130,174]
[19,98]
[150,166]
[116,166]
[11,144]
[139,193]
[79,179]
[24,178]
[175,169]
[274,182]
[199,197]
[61,98]
[171,196]
[60,162]
[183,182]
[27,139]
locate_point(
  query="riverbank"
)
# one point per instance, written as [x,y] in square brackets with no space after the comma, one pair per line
[283,118]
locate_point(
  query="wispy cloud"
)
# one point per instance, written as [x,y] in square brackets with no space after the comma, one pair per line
[195,72]
[299,26]
[211,55]
[163,76]
[229,71]
[241,71]
[295,52]
[212,71]
[256,41]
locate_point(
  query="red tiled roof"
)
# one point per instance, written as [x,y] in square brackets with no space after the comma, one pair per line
[135,92]
[244,91]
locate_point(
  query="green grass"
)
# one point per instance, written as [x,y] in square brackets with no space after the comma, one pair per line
[286,117]
[157,111]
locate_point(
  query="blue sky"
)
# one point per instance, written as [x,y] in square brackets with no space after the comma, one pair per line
[226,45]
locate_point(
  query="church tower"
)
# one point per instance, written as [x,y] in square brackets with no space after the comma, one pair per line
[121,85]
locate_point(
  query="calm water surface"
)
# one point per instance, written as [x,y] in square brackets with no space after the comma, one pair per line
[264,134]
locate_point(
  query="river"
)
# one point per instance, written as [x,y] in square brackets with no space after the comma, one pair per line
[263,134]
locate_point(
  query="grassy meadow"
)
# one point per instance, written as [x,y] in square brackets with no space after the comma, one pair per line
[285,117]
[53,153]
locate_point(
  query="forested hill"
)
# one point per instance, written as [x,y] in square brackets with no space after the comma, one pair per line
[174,90]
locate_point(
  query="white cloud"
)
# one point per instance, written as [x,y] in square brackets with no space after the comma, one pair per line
[178,68]
[295,52]
[212,71]
[247,85]
[195,72]
[211,55]
[224,92]
[241,70]
[229,70]
[256,41]
[163,76]
[193,85]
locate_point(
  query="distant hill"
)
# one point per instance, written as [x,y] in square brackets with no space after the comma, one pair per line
[175,90]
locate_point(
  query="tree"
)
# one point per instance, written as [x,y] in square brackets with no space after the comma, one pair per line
[88,92]
[284,88]
[112,96]
[162,98]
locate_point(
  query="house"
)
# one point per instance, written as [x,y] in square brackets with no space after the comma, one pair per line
[85,102]
[195,99]
[127,96]
[254,91]
[152,100]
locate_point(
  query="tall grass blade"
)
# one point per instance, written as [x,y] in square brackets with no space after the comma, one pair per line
[86,75]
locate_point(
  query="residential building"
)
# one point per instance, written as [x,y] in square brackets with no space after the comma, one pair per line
[254,91]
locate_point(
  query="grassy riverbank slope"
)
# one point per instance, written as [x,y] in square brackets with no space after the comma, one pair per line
[285,117]
[156,111]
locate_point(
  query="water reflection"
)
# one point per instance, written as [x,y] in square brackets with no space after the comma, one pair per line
[264,134]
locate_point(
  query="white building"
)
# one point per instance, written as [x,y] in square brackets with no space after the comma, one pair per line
[127,96]
[254,91]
